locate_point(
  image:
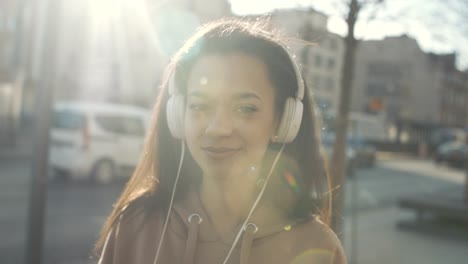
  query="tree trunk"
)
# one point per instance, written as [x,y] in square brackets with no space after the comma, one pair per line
[338,164]
[466,179]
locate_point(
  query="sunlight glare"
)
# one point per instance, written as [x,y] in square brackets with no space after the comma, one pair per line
[173,27]
[102,9]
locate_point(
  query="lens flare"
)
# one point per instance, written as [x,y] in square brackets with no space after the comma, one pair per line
[173,27]
[313,256]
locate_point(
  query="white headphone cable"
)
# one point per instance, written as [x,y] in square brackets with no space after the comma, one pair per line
[254,205]
[170,204]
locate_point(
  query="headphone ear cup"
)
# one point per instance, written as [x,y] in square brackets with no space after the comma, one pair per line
[175,115]
[290,121]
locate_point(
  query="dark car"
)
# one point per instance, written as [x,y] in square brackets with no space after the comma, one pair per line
[364,152]
[453,154]
[442,136]
[327,142]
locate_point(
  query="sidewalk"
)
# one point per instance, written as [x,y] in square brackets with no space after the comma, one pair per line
[372,235]
[384,156]
[378,240]
[424,167]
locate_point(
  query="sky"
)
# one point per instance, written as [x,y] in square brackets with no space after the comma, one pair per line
[423,20]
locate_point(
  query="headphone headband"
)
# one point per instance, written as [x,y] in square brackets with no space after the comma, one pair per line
[172,85]
[297,72]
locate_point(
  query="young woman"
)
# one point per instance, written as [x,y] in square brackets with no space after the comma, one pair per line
[252,186]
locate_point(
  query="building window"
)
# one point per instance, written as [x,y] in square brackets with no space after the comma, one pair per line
[333,44]
[375,88]
[316,82]
[330,84]
[318,60]
[461,100]
[331,63]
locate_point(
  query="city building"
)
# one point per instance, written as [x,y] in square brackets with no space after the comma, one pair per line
[453,90]
[103,51]
[10,81]
[319,52]
[395,78]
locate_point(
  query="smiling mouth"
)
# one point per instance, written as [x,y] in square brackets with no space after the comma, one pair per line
[219,152]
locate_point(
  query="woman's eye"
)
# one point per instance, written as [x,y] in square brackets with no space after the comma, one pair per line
[247,109]
[197,107]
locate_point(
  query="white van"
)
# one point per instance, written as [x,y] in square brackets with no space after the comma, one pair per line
[96,140]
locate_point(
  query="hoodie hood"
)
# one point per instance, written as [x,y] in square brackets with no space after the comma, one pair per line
[136,236]
[191,222]
[268,221]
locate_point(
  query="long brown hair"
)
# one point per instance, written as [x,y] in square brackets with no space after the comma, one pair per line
[154,175]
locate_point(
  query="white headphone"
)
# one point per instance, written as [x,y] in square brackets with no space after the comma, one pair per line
[290,120]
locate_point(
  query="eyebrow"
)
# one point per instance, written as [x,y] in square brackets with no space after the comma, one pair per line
[239,96]
[247,95]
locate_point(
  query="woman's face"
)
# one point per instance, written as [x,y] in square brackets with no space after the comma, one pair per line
[230,116]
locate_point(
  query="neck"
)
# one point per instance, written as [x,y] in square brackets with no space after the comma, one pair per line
[228,200]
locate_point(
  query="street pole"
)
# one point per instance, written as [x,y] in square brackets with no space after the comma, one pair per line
[466,176]
[354,221]
[341,122]
[47,36]
[465,192]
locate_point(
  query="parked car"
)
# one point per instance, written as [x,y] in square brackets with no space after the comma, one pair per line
[445,135]
[452,153]
[365,153]
[96,140]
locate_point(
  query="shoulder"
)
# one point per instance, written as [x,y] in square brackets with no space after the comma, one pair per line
[136,214]
[319,228]
[321,238]
[129,232]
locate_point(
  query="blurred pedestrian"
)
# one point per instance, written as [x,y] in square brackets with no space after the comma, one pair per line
[253,187]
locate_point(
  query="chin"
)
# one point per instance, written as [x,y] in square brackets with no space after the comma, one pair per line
[222,169]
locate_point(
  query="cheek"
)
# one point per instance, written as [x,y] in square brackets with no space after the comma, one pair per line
[260,137]
[192,125]
[191,129]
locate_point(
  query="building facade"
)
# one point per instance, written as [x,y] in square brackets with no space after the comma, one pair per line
[395,78]
[318,52]
[415,91]
[453,90]
[122,53]
[113,53]
[10,79]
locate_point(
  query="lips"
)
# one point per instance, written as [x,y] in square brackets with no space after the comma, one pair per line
[219,152]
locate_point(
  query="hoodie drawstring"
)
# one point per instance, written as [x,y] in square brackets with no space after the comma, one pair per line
[191,243]
[246,243]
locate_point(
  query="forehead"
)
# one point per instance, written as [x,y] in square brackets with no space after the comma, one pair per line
[230,73]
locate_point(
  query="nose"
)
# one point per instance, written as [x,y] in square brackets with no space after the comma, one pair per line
[219,124]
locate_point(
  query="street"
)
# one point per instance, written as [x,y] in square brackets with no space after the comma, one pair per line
[76,211]
[377,238]
[74,214]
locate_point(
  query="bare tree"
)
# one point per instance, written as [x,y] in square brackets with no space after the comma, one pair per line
[466,179]
[338,160]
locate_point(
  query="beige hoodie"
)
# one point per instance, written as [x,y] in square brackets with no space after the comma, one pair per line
[136,236]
